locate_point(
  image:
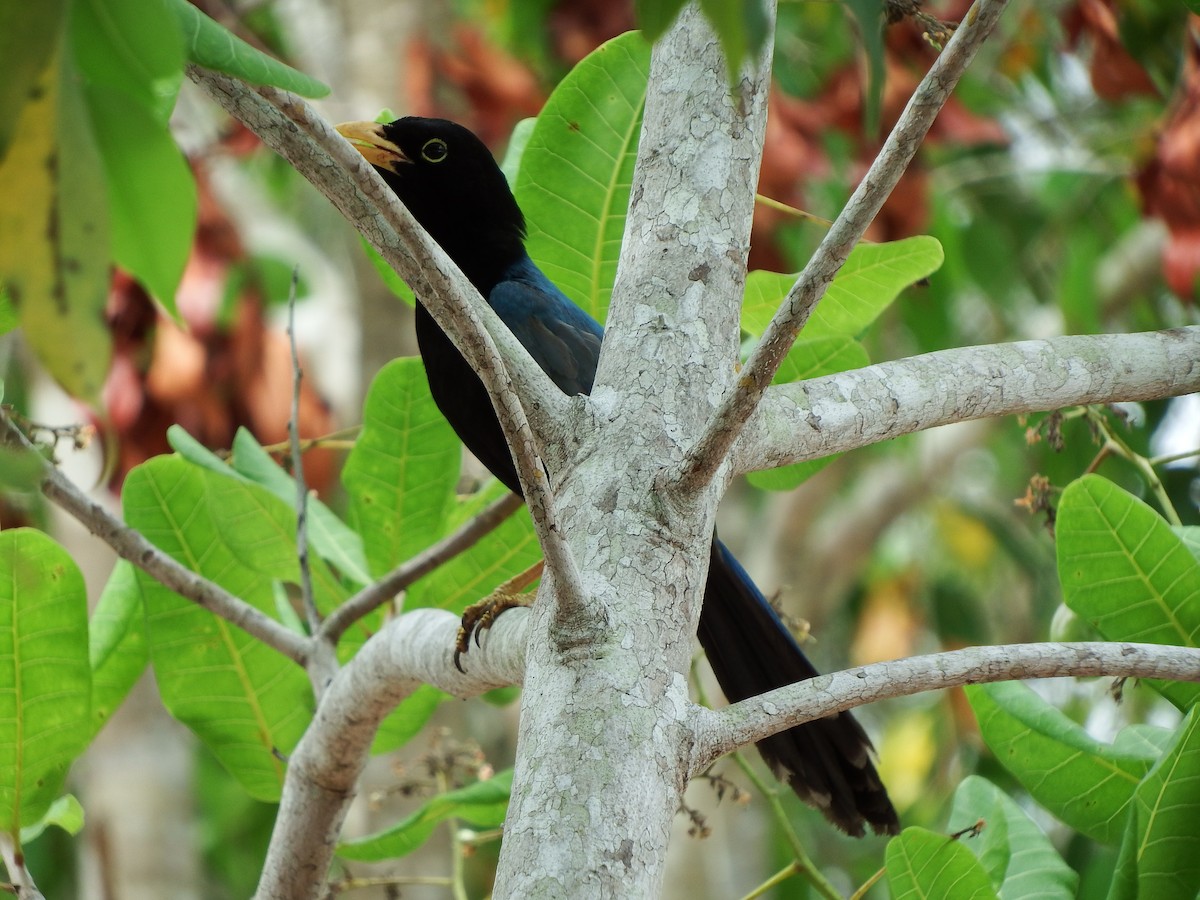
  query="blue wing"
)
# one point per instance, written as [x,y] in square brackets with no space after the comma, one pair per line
[561,337]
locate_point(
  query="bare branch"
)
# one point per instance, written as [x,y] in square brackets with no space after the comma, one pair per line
[517,385]
[129,544]
[852,409]
[420,565]
[308,602]
[707,456]
[415,649]
[720,731]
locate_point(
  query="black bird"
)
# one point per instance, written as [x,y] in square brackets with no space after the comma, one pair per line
[449,181]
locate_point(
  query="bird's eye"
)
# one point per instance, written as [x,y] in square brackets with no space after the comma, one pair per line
[434,151]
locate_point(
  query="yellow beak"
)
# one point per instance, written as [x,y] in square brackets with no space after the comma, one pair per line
[368,138]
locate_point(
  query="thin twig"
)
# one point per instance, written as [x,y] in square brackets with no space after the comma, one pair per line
[372,596]
[307,598]
[129,544]
[719,731]
[710,452]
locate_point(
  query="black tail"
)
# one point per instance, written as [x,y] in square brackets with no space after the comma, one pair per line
[828,761]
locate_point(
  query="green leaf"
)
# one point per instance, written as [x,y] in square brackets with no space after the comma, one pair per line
[1125,571]
[45,681]
[1018,857]
[116,642]
[808,359]
[1085,783]
[20,469]
[66,813]
[922,864]
[337,543]
[27,39]
[9,320]
[872,277]
[214,47]
[654,17]
[508,550]
[1190,535]
[331,538]
[1167,808]
[517,143]
[54,239]
[150,190]
[246,702]
[132,47]
[401,474]
[483,804]
[573,185]
[391,280]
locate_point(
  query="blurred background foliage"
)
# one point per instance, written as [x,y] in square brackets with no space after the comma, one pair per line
[1063,182]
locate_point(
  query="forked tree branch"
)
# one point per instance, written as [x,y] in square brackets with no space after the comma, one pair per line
[710,452]
[322,774]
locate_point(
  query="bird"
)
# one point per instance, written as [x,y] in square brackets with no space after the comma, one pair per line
[450,182]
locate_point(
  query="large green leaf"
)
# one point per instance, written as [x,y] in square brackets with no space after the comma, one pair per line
[1018,857]
[401,474]
[1086,783]
[248,703]
[214,47]
[864,287]
[332,539]
[573,184]
[1126,572]
[117,642]
[45,680]
[808,359]
[923,865]
[1167,808]
[483,804]
[133,47]
[54,237]
[150,190]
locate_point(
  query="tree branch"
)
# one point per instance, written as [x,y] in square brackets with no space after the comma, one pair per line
[516,384]
[418,566]
[710,452]
[129,544]
[414,649]
[852,409]
[718,732]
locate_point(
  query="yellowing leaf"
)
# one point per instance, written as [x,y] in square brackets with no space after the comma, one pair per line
[54,247]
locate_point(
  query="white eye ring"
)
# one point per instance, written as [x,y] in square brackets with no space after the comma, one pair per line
[435,150]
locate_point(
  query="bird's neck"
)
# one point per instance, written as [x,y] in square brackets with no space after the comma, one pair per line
[485,259]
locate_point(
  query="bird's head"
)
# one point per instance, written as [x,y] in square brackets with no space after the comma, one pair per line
[451,184]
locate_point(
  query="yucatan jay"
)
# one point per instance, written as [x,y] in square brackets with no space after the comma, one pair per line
[449,181]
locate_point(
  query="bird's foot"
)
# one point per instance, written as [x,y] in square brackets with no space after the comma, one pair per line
[479,616]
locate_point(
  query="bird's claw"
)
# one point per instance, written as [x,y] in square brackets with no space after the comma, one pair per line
[479,617]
